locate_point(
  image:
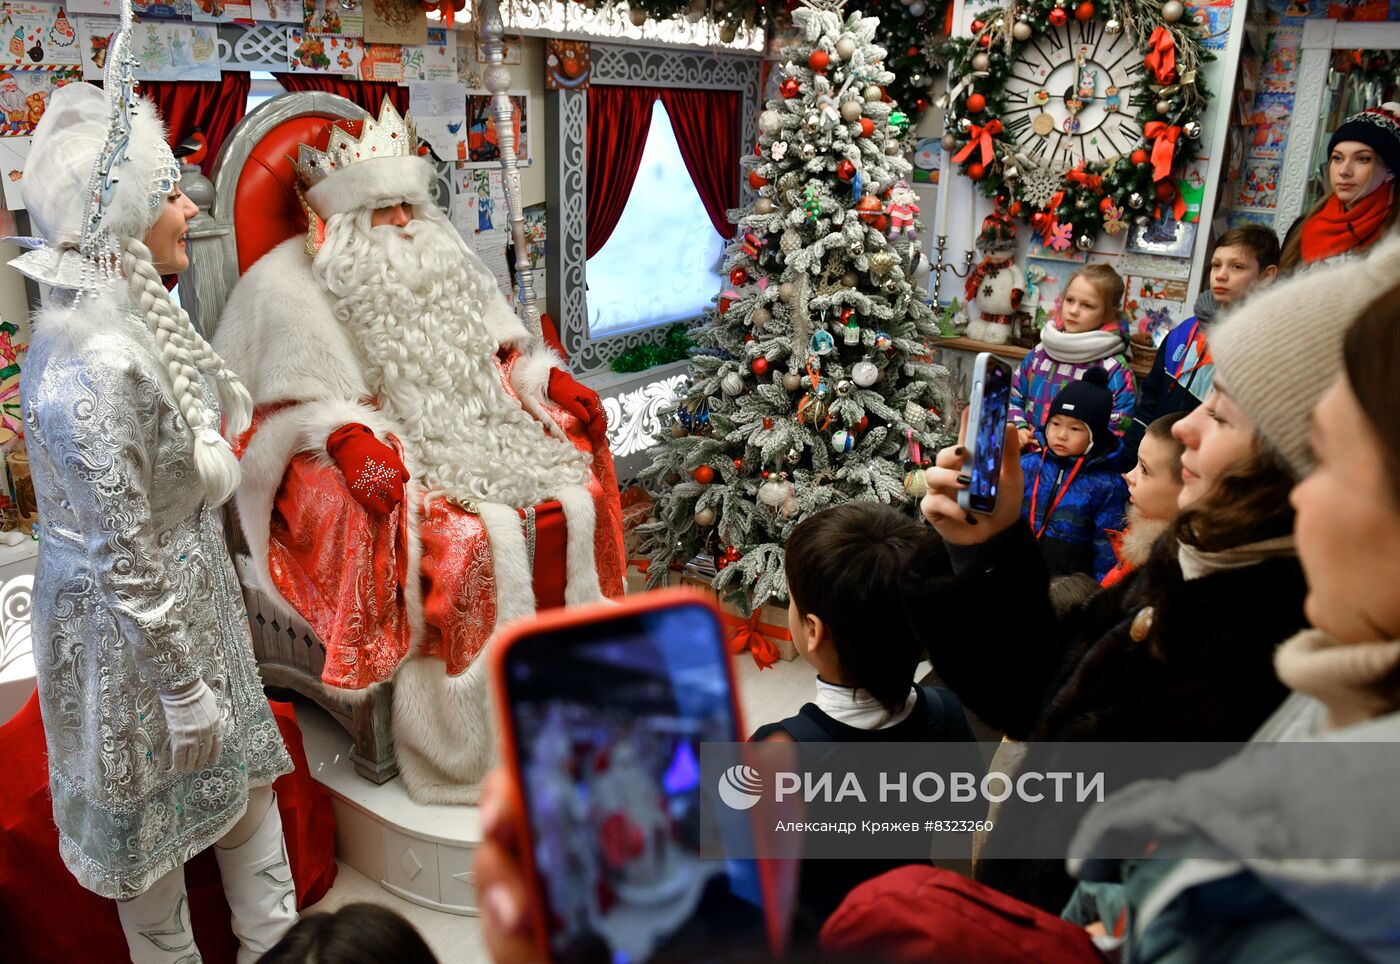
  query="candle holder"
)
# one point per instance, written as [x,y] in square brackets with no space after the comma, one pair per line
[939,266]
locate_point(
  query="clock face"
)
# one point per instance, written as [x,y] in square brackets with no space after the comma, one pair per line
[1071,95]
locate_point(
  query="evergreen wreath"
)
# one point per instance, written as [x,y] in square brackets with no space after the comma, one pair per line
[1070,205]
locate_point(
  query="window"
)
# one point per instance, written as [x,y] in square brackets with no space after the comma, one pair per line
[263,88]
[661,263]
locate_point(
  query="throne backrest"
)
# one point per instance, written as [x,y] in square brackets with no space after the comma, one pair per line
[255,203]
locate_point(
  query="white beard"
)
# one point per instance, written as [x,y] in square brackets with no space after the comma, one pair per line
[413,306]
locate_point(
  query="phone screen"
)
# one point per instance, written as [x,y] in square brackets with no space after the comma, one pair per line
[991,436]
[608,720]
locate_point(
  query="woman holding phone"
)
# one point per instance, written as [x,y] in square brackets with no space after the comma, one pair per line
[1181,649]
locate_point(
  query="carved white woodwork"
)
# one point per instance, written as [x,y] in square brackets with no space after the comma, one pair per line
[564,18]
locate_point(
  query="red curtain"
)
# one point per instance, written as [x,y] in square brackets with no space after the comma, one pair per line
[706,123]
[214,106]
[618,121]
[366,94]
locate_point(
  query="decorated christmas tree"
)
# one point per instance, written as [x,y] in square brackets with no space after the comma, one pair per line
[812,383]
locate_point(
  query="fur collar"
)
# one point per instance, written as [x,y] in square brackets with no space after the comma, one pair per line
[1138,540]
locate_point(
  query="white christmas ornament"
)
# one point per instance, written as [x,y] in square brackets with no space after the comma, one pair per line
[776,493]
[864,373]
[769,122]
[732,383]
[845,48]
[843,441]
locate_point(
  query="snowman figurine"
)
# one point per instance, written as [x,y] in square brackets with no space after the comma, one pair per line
[997,284]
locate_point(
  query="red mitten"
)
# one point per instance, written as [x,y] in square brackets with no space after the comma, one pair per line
[580,401]
[373,471]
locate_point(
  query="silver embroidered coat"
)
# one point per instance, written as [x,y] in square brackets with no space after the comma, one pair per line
[134,594]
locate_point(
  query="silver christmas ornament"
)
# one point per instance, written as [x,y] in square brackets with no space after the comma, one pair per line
[1191,129]
[917,8]
[893,149]
[1163,106]
[914,413]
[763,206]
[850,279]
[732,383]
[770,122]
[792,381]
[1173,10]
[812,121]
[963,124]
[844,387]
[705,517]
[872,94]
[794,456]
[777,492]
[850,110]
[917,79]
[1113,27]
[1135,200]
[790,241]
[882,263]
[1084,242]
[809,150]
[845,48]
[864,373]
[855,248]
[949,142]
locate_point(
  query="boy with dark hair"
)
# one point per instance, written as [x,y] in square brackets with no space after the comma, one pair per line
[1245,258]
[852,573]
[856,575]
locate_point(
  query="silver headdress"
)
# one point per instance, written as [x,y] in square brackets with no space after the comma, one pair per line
[133,172]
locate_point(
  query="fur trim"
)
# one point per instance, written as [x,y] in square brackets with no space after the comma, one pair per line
[280,437]
[529,379]
[444,729]
[515,582]
[1139,538]
[279,332]
[376,183]
[581,559]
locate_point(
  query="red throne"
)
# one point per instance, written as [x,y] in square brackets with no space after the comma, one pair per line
[255,170]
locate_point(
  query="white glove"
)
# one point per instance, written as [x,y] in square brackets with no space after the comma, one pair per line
[192,717]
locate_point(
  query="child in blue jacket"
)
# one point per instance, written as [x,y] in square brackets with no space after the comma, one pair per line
[1074,495]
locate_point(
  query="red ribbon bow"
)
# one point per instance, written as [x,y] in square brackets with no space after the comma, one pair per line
[983,136]
[1163,139]
[1161,55]
[748,635]
[1080,176]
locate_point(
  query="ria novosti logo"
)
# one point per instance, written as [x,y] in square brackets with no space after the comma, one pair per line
[740,787]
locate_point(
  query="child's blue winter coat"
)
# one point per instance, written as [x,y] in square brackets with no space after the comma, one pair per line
[1076,536]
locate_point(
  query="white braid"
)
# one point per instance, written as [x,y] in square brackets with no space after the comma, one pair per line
[179,346]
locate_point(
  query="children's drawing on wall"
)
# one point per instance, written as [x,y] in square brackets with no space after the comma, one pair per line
[1259,189]
[1270,124]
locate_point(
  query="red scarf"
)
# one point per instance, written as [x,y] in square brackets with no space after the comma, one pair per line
[1335,229]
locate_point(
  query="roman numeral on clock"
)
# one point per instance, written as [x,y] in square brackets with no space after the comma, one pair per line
[1057,39]
[1019,127]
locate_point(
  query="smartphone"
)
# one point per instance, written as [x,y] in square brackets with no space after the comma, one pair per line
[986,432]
[603,710]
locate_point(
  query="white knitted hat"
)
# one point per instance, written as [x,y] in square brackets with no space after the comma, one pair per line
[1282,349]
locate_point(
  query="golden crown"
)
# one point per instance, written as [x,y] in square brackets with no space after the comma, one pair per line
[392,135]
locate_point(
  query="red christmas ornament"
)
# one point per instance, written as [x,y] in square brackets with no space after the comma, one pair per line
[732,554]
[738,276]
[986,39]
[867,127]
[920,104]
[977,170]
[767,423]
[1015,209]
[880,223]
[1040,221]
[1105,204]
[760,366]
[756,180]
[868,208]
[912,52]
[724,304]
[977,25]
[819,60]
[703,474]
[721,563]
[845,170]
[863,424]
[976,103]
[1166,190]
[790,88]
[758,149]
[1085,11]
[1058,17]
[738,465]
[1138,157]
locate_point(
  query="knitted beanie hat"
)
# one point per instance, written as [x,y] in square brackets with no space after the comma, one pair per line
[1282,348]
[1376,127]
[1089,400]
